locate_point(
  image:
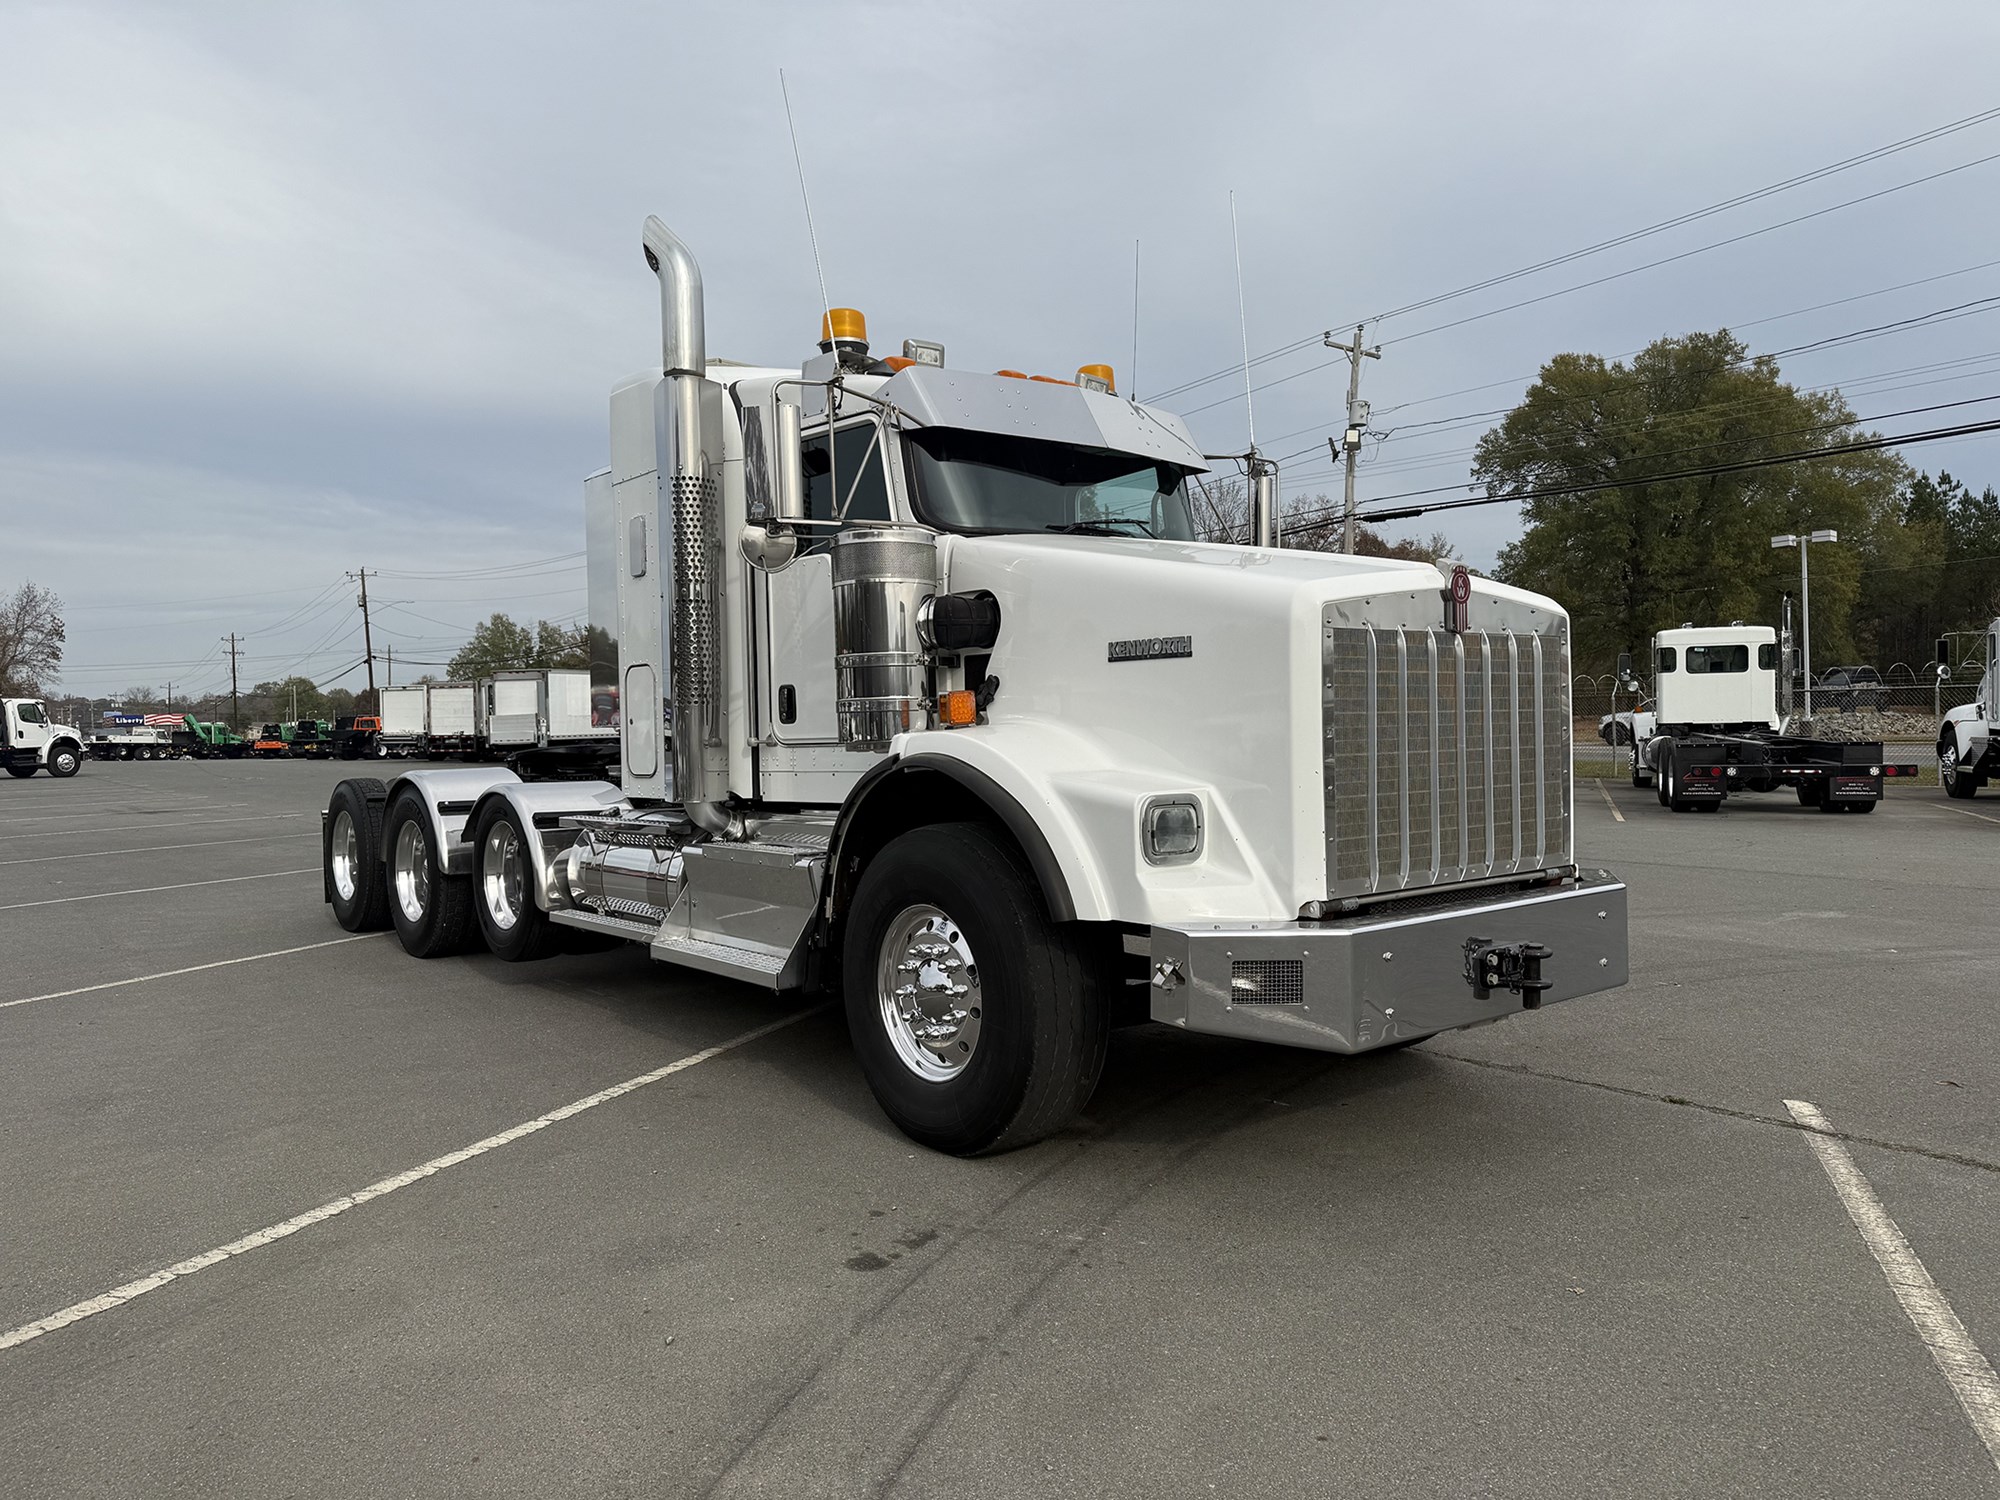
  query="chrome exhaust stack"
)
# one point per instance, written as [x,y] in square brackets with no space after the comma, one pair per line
[691,454]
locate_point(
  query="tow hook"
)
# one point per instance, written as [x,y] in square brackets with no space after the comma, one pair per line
[1516,967]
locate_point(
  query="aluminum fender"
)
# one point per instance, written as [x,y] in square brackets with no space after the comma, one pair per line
[448,798]
[547,801]
[1089,811]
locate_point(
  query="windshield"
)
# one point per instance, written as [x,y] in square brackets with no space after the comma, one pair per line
[980,481]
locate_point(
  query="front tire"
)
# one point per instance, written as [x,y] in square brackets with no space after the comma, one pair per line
[432,910]
[513,925]
[973,1014]
[351,854]
[65,761]
[1952,776]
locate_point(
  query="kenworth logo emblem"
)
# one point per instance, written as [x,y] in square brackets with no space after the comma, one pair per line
[1151,648]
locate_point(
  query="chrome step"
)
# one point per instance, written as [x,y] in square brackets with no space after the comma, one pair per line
[618,927]
[758,966]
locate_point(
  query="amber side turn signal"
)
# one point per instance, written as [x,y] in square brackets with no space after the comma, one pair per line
[957,709]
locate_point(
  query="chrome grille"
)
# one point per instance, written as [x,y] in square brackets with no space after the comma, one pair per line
[1447,757]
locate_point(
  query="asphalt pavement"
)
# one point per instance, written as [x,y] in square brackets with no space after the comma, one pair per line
[1585,1252]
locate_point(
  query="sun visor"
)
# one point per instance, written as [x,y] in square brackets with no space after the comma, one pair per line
[1051,411]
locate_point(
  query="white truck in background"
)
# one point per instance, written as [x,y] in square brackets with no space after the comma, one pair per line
[405,718]
[451,726]
[539,720]
[968,727]
[30,741]
[1968,749]
[1717,729]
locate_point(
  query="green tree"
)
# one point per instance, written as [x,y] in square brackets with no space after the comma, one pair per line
[561,645]
[1643,553]
[497,645]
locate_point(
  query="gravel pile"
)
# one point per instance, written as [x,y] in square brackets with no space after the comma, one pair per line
[1868,725]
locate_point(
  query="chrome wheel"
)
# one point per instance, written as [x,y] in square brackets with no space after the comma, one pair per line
[1947,762]
[344,857]
[410,869]
[502,881]
[927,989]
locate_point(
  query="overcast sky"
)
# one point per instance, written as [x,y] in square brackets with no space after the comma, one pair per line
[287,290]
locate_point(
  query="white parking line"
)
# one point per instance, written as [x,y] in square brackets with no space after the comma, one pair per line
[147,890]
[59,833]
[1609,803]
[1968,812]
[1958,1359]
[119,1296]
[220,963]
[43,859]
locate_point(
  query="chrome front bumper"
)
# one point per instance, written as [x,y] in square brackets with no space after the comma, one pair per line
[1350,984]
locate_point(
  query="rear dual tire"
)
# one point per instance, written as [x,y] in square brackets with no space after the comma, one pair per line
[510,920]
[351,855]
[432,911]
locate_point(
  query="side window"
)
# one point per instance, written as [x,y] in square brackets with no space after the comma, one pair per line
[1767,658]
[852,475]
[31,713]
[1665,658]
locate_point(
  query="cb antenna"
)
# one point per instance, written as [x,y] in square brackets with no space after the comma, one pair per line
[1242,321]
[1132,380]
[825,302]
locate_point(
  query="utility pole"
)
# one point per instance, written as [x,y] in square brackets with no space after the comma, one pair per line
[367,633]
[1357,422]
[389,655]
[235,714]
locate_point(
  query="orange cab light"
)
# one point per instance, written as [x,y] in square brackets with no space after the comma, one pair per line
[843,323]
[897,362]
[1088,376]
[1012,374]
[1051,380]
[958,709]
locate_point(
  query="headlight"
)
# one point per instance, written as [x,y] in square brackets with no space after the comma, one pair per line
[1172,830]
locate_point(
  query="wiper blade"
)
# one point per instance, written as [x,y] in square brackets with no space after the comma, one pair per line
[1103,526]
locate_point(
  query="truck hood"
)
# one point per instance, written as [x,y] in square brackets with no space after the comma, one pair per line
[1136,668]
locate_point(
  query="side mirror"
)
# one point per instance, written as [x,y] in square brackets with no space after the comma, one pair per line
[1624,666]
[773,546]
[1943,652]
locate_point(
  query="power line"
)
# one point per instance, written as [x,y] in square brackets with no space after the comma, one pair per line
[1724,205]
[1838,450]
[1701,213]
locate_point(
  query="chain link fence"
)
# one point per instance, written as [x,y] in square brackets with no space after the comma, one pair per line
[1900,707]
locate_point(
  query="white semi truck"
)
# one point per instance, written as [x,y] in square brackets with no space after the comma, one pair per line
[405,720]
[1968,749]
[968,728]
[31,742]
[1717,730]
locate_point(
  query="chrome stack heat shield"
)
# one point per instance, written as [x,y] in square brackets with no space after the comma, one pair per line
[880,575]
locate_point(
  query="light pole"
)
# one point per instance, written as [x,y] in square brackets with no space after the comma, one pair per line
[1803,541]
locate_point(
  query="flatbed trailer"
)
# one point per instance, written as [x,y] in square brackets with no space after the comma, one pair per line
[133,744]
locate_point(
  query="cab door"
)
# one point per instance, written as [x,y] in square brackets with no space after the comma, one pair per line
[847,478]
[31,726]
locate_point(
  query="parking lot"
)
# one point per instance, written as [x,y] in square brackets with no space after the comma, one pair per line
[1586,1252]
